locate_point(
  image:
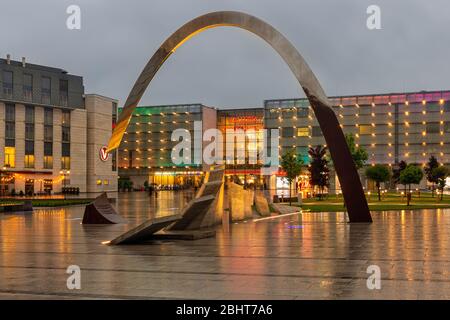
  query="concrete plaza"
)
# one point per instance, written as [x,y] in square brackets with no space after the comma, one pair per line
[302,256]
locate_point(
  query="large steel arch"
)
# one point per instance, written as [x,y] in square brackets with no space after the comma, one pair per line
[352,190]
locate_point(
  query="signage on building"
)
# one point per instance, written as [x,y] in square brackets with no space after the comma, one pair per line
[103,154]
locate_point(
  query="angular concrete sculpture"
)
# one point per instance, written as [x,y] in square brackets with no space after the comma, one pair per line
[189,225]
[358,210]
[100,211]
[196,212]
[144,231]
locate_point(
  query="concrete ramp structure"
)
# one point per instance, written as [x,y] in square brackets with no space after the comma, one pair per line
[144,231]
[100,211]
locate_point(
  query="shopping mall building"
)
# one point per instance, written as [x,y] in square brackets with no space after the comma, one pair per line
[391,127]
[52,133]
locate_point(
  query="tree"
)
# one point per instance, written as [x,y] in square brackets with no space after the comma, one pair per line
[410,175]
[359,154]
[429,172]
[397,170]
[378,174]
[441,173]
[318,168]
[292,165]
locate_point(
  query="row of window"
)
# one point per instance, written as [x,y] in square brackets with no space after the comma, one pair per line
[27,88]
[10,150]
[315,131]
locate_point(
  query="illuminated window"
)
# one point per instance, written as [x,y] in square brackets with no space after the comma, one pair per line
[99,182]
[10,157]
[65,163]
[303,132]
[105,182]
[48,162]
[365,129]
[29,161]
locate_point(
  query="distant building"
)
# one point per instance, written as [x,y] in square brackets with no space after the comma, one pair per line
[51,133]
[391,127]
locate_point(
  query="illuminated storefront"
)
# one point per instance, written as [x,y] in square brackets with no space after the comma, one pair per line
[242,130]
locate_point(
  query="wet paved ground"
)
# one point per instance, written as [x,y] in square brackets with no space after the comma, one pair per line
[302,256]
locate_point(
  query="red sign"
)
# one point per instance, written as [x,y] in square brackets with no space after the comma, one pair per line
[103,154]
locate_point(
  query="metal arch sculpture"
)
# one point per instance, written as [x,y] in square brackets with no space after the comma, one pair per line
[352,190]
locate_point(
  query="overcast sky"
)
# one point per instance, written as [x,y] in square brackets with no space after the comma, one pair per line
[229,67]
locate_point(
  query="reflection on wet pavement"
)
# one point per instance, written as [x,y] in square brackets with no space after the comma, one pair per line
[305,256]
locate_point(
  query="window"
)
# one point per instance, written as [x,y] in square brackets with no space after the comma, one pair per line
[46,90]
[365,129]
[63,92]
[48,117]
[433,127]
[65,163]
[447,127]
[48,185]
[10,125]
[29,147]
[105,182]
[302,112]
[316,131]
[29,131]
[8,84]
[29,161]
[29,137]
[66,134]
[48,133]
[99,182]
[66,118]
[27,87]
[48,148]
[10,130]
[10,113]
[29,114]
[48,162]
[303,132]
[10,157]
[114,114]
[65,151]
[287,132]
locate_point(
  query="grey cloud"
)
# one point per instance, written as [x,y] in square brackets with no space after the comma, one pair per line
[230,68]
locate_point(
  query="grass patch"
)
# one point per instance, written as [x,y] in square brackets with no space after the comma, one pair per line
[390,201]
[48,202]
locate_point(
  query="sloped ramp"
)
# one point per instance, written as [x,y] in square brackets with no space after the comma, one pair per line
[194,214]
[100,211]
[144,231]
